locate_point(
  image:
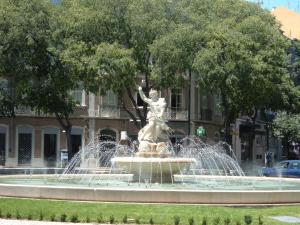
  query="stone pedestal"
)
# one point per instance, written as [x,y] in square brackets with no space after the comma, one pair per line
[152,170]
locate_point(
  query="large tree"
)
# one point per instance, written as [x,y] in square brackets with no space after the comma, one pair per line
[119,32]
[287,127]
[243,56]
[23,48]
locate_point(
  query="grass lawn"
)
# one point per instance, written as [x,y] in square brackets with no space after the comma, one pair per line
[161,213]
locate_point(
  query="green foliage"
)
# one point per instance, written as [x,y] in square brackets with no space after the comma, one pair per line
[41,216]
[8,215]
[204,220]
[226,221]
[137,220]
[216,221]
[29,216]
[100,219]
[151,221]
[52,218]
[63,217]
[111,219]
[176,220]
[191,221]
[238,223]
[232,47]
[248,219]
[287,126]
[74,218]
[260,220]
[125,219]
[87,219]
[18,216]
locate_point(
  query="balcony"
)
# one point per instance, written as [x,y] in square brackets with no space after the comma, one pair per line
[176,114]
[23,110]
[106,111]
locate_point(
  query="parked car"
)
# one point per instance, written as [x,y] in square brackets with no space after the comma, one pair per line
[287,168]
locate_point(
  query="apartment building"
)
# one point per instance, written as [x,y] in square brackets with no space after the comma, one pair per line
[33,140]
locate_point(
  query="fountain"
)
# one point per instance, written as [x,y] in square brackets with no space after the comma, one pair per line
[153,161]
[155,170]
[156,159]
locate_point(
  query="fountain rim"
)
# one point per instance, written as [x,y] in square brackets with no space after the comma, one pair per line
[144,195]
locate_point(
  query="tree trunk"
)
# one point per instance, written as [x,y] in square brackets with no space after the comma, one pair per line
[67,127]
[227,119]
[69,141]
[252,134]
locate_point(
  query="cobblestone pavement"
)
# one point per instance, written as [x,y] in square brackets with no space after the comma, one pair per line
[33,222]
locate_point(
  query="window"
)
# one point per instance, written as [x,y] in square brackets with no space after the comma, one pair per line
[204,102]
[176,99]
[110,99]
[78,96]
[284,165]
[217,104]
[295,165]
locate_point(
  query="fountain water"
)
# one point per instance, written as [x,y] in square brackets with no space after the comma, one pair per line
[109,162]
[155,160]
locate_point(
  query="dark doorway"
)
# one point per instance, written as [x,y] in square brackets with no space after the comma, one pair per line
[50,149]
[24,156]
[2,149]
[76,144]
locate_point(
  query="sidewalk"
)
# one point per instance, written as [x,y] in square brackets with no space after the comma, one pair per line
[35,222]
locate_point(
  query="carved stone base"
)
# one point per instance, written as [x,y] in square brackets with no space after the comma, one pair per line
[153,154]
[149,149]
[152,170]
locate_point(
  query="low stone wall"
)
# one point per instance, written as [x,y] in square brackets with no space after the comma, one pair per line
[150,196]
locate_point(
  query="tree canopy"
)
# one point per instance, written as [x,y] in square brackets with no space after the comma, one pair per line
[232,47]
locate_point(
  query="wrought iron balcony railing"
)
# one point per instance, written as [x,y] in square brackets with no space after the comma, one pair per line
[106,111]
[176,114]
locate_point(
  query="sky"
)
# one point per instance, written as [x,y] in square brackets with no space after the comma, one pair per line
[290,4]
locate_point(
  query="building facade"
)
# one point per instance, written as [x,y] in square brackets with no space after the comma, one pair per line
[34,140]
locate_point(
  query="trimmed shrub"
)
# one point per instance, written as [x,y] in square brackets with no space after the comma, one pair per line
[227,221]
[260,220]
[100,219]
[151,221]
[191,221]
[176,220]
[29,217]
[52,218]
[111,219]
[137,220]
[74,218]
[124,219]
[41,216]
[248,219]
[216,221]
[8,215]
[18,216]
[63,217]
[204,220]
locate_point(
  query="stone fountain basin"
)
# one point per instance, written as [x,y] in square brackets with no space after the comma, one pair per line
[159,170]
[25,189]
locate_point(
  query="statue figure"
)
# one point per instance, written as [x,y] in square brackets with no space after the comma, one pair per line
[154,136]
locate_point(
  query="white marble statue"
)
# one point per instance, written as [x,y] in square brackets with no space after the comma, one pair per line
[154,136]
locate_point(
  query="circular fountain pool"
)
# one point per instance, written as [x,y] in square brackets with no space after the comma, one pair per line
[206,190]
[193,172]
